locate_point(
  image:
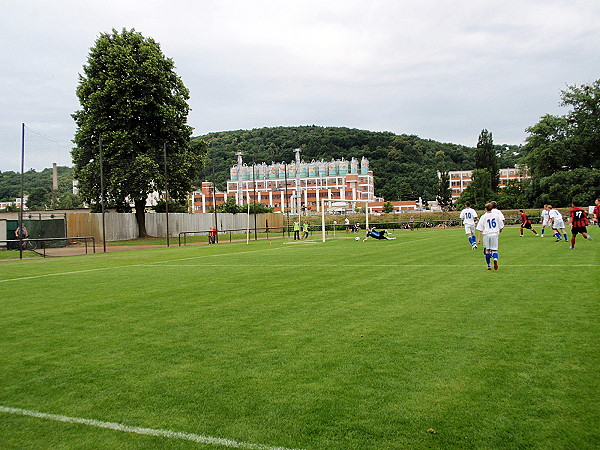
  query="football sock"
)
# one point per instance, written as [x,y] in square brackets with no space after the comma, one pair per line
[495,255]
[557,234]
[488,258]
[573,242]
[566,238]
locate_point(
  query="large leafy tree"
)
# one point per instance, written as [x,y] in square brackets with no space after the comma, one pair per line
[563,152]
[485,158]
[134,102]
[444,193]
[478,193]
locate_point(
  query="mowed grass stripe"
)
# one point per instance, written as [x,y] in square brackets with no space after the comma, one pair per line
[281,348]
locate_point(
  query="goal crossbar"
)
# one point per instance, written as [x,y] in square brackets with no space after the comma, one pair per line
[333,201]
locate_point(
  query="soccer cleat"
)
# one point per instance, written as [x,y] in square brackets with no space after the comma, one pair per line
[541,235]
[474,247]
[495,264]
[489,268]
[589,238]
[558,240]
[571,248]
[520,235]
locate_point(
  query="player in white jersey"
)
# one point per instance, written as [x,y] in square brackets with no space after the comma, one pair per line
[469,218]
[498,212]
[557,222]
[545,214]
[490,226]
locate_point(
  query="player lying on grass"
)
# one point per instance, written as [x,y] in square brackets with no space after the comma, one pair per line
[383,234]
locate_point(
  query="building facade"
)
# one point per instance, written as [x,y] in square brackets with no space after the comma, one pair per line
[460,179]
[294,187]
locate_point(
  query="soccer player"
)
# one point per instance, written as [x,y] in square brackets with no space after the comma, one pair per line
[526,223]
[557,223]
[579,222]
[469,218]
[372,232]
[597,212]
[545,219]
[489,226]
[498,212]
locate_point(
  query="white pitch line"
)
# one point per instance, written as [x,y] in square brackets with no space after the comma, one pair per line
[140,430]
[371,265]
[32,277]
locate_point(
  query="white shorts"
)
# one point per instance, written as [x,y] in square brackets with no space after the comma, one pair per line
[558,224]
[469,228]
[545,223]
[490,241]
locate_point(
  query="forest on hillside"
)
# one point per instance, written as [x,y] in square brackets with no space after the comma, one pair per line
[38,187]
[405,166]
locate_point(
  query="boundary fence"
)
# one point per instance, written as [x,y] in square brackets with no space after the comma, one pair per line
[40,245]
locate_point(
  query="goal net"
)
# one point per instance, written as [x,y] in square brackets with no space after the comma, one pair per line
[337,208]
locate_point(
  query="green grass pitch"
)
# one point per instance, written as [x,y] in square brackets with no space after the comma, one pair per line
[409,343]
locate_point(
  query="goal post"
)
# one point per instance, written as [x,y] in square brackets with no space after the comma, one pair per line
[332,202]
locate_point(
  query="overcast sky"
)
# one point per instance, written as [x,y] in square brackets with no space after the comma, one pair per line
[442,70]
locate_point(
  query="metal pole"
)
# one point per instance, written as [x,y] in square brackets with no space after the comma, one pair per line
[285,202]
[20,225]
[323,219]
[254,199]
[216,229]
[166,191]
[102,197]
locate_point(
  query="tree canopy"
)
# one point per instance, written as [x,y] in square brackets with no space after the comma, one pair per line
[563,152]
[485,158]
[136,105]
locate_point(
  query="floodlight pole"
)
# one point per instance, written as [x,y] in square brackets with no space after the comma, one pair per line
[166,191]
[20,225]
[102,196]
[254,198]
[216,229]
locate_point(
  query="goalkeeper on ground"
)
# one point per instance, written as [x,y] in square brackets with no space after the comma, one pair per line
[372,232]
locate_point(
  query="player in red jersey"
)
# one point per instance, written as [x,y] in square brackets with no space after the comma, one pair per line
[597,212]
[579,222]
[526,223]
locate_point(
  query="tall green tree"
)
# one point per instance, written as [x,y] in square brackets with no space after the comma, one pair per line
[584,123]
[485,158]
[563,152]
[479,192]
[444,192]
[132,99]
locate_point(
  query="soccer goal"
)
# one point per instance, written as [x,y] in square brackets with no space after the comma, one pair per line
[331,205]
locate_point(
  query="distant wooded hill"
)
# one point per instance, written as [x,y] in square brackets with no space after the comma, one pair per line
[405,166]
[10,182]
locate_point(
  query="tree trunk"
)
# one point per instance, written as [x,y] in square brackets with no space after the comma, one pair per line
[140,217]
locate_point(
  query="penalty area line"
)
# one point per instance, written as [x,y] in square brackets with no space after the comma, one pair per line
[140,430]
